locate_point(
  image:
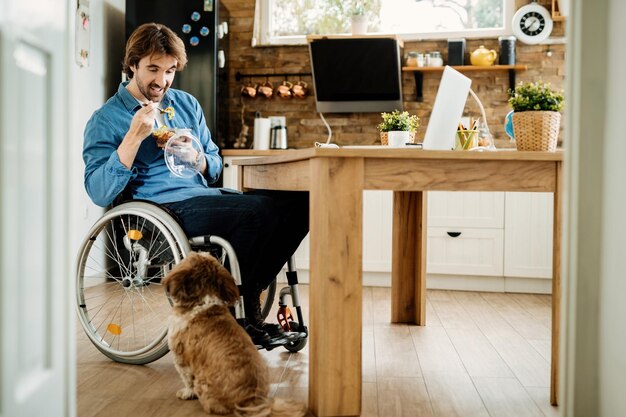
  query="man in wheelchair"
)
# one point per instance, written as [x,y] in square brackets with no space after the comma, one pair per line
[122,154]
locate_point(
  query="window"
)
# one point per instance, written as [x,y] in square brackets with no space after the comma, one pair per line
[279,22]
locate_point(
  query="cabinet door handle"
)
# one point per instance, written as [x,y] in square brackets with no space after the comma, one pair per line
[454,234]
[226,165]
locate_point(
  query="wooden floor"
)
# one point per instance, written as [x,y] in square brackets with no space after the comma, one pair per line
[480,355]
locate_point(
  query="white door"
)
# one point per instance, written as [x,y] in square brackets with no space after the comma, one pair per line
[34,274]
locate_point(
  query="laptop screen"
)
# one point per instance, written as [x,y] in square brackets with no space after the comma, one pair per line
[447,110]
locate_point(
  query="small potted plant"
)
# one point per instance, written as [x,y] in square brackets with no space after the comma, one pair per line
[398,128]
[358,18]
[536,117]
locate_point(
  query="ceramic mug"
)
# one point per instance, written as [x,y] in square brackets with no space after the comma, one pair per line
[299,89]
[266,89]
[284,90]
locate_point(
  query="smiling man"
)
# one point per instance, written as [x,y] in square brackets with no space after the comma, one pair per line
[122,155]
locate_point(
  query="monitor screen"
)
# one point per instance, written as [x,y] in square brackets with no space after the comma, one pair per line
[356,75]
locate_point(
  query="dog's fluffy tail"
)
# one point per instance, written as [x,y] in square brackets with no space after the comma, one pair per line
[272,407]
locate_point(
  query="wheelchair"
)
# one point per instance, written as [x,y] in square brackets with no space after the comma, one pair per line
[121,304]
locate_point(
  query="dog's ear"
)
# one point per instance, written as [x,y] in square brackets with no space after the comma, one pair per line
[223,283]
[184,282]
[228,289]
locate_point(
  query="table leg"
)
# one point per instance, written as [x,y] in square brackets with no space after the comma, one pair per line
[556,288]
[408,268]
[336,221]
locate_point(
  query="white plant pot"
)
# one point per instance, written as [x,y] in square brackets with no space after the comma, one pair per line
[398,138]
[359,24]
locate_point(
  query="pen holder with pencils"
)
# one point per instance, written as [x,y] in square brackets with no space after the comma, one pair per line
[466,139]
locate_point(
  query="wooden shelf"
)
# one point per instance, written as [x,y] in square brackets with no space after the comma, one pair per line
[464,68]
[419,73]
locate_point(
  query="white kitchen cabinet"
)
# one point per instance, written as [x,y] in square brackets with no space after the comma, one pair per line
[229,174]
[528,238]
[465,251]
[504,241]
[466,209]
[465,235]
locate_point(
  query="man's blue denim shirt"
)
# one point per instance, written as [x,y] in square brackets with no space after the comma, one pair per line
[149,178]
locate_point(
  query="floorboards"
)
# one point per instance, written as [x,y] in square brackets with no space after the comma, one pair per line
[480,355]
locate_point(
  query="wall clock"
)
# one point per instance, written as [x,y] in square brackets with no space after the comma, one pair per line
[532,23]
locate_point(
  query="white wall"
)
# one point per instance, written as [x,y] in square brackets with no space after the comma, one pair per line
[595,314]
[612,312]
[90,87]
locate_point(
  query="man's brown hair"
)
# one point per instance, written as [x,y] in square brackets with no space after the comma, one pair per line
[153,38]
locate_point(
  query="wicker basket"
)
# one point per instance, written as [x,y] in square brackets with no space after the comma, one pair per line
[536,130]
[385,141]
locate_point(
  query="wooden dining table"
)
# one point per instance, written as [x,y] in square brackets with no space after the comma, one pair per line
[336,179]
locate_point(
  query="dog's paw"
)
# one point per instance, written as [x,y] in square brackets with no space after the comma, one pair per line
[186,394]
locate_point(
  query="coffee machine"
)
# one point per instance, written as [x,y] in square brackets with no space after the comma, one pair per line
[278,132]
[278,137]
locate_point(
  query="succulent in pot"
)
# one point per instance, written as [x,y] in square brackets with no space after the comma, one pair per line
[396,122]
[536,117]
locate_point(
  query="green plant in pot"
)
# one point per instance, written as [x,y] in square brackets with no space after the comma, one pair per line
[358,17]
[536,117]
[398,128]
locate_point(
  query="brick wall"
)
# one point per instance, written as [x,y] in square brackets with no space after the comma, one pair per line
[545,62]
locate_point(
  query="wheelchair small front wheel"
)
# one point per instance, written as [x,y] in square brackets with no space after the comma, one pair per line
[121,303]
[298,345]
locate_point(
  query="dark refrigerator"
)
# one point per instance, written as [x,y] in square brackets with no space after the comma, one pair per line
[203,27]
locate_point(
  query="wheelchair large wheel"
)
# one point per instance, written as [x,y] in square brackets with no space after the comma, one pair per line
[121,303]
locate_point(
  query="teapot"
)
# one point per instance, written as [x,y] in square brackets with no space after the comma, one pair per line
[483,57]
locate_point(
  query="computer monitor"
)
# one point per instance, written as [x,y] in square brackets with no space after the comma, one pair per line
[447,110]
[356,75]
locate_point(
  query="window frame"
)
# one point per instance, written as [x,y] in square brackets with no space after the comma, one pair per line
[262,25]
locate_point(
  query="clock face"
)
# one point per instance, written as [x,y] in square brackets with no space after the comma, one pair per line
[532,23]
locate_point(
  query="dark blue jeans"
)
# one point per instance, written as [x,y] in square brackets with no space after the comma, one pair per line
[264,227]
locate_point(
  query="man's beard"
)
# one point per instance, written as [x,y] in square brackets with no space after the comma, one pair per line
[147,92]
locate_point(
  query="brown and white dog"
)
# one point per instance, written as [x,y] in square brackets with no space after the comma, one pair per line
[213,354]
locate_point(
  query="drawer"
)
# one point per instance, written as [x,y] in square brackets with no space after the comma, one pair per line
[465,251]
[466,209]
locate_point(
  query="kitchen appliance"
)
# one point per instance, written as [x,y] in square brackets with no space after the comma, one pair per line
[278,137]
[202,25]
[456,51]
[507,50]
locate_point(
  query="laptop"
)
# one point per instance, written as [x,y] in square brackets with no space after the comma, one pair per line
[447,110]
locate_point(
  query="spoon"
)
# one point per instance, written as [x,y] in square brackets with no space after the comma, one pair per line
[160,110]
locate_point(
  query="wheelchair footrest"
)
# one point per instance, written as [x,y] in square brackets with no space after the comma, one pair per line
[282,340]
